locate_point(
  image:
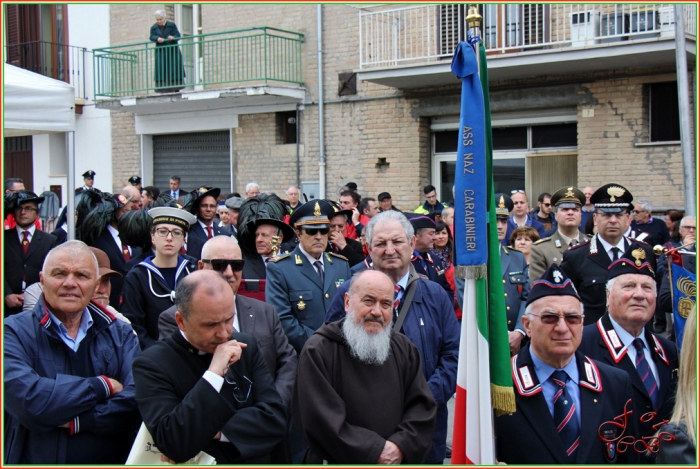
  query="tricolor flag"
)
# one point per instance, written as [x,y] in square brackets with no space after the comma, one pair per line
[483,376]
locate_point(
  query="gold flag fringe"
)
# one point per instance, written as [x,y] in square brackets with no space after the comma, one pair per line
[502,399]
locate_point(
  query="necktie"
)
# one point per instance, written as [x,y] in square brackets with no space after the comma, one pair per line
[565,419]
[209,233]
[267,259]
[397,300]
[125,251]
[616,253]
[25,243]
[645,372]
[319,268]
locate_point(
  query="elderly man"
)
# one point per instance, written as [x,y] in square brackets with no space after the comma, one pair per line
[643,222]
[619,339]
[301,284]
[69,393]
[252,189]
[233,205]
[425,264]
[565,402]
[567,203]
[292,198]
[26,248]
[422,311]
[520,216]
[386,202]
[346,365]
[206,388]
[586,264]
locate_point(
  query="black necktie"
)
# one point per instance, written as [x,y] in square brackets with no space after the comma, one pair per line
[616,253]
[565,415]
[319,268]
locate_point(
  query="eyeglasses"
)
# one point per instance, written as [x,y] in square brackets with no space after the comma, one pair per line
[220,265]
[637,211]
[516,191]
[164,232]
[314,231]
[688,227]
[241,385]
[26,208]
[552,319]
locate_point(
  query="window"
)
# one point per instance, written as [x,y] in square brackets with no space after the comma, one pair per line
[286,127]
[664,125]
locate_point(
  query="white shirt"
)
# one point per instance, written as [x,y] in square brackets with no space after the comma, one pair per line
[607,246]
[204,227]
[20,233]
[312,260]
[626,338]
[117,239]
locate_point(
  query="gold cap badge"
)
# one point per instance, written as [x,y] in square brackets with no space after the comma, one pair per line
[570,192]
[614,191]
[502,203]
[317,210]
[639,256]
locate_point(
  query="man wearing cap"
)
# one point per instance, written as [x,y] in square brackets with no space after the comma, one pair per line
[136,182]
[350,200]
[385,202]
[620,339]
[338,243]
[233,204]
[25,249]
[88,182]
[301,284]
[567,203]
[425,264]
[586,264]
[516,283]
[204,208]
[104,284]
[563,398]
[432,206]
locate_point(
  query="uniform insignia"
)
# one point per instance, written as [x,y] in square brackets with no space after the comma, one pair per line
[615,191]
[594,246]
[279,258]
[615,348]
[610,452]
[557,276]
[301,305]
[505,250]
[298,260]
[639,255]
[557,243]
[523,379]
[542,240]
[570,192]
[317,210]
[328,258]
[202,190]
[502,203]
[340,256]
[589,371]
[527,379]
[429,259]
[340,280]
[614,338]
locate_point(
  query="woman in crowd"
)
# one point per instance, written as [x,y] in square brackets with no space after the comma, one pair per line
[444,249]
[522,239]
[673,219]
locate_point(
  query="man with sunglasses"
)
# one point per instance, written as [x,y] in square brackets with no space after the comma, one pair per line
[26,248]
[301,284]
[563,398]
[543,212]
[586,264]
[520,216]
[207,388]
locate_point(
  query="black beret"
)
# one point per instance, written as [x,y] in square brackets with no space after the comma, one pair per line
[633,261]
[421,221]
[553,282]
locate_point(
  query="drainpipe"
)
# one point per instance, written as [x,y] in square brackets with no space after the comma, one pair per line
[321,151]
[298,181]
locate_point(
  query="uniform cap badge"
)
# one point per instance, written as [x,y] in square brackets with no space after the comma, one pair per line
[615,191]
[317,210]
[639,255]
[301,305]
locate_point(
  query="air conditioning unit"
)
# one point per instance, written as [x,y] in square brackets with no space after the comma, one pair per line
[584,27]
[667,18]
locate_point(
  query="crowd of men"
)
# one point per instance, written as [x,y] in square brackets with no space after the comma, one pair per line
[269,330]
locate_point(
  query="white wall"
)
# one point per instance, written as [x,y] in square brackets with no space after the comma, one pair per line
[89,28]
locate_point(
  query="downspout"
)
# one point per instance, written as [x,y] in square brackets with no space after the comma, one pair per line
[321,151]
[298,182]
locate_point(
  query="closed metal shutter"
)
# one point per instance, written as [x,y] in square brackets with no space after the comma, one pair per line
[200,159]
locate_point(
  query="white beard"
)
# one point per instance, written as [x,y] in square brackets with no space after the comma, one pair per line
[372,349]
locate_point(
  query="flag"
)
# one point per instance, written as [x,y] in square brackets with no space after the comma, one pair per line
[483,375]
[684,294]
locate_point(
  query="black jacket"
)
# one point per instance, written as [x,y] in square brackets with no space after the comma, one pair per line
[106,243]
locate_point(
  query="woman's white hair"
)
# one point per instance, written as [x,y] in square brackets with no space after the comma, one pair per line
[160,13]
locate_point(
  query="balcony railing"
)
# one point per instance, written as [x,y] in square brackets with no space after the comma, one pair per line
[424,33]
[253,56]
[58,61]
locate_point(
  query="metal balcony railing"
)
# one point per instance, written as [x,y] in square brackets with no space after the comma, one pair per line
[255,56]
[391,36]
[58,61]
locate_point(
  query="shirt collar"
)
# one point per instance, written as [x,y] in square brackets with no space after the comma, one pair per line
[544,371]
[204,225]
[85,324]
[625,337]
[31,230]
[568,240]
[404,280]
[607,246]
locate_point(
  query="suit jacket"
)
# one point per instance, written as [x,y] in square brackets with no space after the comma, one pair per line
[194,247]
[16,267]
[106,243]
[529,436]
[254,267]
[597,344]
[516,286]
[261,321]
[61,235]
[548,251]
[196,231]
[294,288]
[586,264]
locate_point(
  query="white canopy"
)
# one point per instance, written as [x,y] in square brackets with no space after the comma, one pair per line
[35,104]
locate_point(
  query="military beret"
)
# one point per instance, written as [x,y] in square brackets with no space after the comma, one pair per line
[633,261]
[421,221]
[553,282]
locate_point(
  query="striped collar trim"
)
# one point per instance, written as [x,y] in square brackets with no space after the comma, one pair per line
[615,347]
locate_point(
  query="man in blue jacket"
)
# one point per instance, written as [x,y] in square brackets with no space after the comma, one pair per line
[521,216]
[430,321]
[69,393]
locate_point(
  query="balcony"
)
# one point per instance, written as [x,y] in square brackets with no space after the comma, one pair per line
[253,66]
[411,46]
[59,61]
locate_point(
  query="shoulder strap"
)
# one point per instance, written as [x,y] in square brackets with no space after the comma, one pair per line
[410,291]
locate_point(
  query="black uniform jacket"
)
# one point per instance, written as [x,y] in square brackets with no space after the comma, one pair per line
[529,436]
[196,231]
[105,242]
[183,412]
[254,267]
[586,264]
[433,269]
[601,343]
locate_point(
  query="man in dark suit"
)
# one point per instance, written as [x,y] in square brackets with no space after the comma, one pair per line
[25,250]
[563,398]
[204,208]
[620,339]
[175,191]
[586,264]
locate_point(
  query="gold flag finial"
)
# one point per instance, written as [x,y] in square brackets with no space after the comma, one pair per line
[473,17]
[317,210]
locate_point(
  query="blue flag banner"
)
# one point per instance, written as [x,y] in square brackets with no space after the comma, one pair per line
[684,292]
[471,248]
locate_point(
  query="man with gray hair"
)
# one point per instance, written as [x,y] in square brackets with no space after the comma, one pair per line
[69,392]
[293,198]
[422,311]
[252,189]
[345,365]
[656,229]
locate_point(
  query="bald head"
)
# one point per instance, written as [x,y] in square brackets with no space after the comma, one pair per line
[202,283]
[133,195]
[221,247]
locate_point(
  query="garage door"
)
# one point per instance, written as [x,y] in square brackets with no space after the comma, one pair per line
[200,159]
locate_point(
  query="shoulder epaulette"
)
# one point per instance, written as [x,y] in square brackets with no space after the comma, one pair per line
[339,256]
[582,243]
[515,249]
[543,240]
[279,258]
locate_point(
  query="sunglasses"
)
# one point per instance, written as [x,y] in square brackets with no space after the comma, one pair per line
[552,319]
[516,191]
[314,231]
[220,265]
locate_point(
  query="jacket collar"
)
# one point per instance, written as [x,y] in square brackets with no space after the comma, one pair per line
[614,345]
[101,317]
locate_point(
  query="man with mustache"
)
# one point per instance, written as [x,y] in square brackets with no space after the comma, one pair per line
[374,361]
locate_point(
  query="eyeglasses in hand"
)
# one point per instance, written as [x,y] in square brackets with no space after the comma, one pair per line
[241,384]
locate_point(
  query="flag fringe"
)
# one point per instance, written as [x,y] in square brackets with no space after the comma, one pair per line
[470,271]
[502,399]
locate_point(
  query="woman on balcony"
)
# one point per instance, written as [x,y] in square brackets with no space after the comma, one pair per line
[169,72]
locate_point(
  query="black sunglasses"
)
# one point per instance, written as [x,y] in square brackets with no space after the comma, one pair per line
[220,264]
[313,231]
